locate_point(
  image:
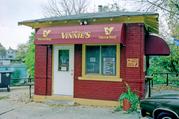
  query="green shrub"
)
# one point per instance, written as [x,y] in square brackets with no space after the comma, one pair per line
[132,98]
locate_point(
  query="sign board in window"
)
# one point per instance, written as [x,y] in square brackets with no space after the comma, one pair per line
[92,59]
[109,66]
[63,61]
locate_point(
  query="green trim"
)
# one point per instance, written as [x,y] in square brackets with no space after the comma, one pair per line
[150,21]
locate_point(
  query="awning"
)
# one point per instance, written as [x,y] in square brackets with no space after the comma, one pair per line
[84,34]
[154,45]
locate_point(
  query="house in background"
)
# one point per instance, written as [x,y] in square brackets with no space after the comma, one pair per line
[88,57]
[7,56]
[11,54]
[8,63]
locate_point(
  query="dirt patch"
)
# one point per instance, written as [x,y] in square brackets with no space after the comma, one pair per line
[3,97]
[17,94]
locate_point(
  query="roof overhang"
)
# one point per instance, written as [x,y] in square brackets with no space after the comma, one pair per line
[84,34]
[155,45]
[149,19]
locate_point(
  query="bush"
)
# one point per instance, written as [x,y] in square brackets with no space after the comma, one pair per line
[131,97]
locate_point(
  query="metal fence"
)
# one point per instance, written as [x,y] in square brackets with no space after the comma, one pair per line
[167,79]
[27,81]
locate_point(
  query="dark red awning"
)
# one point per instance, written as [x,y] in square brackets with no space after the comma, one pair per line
[84,34]
[154,45]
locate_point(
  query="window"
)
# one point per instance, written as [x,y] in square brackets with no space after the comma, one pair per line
[92,59]
[101,60]
[63,61]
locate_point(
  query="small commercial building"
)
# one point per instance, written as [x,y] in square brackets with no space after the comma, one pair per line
[88,57]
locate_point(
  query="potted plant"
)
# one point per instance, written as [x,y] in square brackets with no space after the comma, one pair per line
[128,100]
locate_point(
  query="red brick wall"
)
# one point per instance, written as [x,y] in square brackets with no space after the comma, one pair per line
[135,49]
[49,79]
[95,89]
[42,85]
[106,90]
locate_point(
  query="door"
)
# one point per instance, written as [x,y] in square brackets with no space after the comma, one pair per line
[63,70]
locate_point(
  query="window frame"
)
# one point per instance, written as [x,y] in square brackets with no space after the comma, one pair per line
[100,77]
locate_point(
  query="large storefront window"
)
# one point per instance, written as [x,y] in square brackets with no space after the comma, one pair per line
[101,60]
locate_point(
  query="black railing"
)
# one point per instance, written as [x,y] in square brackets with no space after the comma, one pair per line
[24,81]
[166,78]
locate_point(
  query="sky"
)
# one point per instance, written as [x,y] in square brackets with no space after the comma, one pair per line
[14,11]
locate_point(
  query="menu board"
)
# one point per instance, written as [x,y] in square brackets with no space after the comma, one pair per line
[109,66]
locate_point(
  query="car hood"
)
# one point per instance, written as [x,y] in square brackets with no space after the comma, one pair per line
[165,96]
[167,99]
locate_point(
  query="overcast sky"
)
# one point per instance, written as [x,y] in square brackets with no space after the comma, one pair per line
[13,11]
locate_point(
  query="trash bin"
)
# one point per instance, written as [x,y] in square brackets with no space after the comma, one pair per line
[5,77]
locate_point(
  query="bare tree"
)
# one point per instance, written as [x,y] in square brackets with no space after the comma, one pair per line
[2,51]
[111,7]
[166,5]
[169,9]
[65,7]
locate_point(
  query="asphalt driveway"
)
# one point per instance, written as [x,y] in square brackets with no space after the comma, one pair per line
[16,105]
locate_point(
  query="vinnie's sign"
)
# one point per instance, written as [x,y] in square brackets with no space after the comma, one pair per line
[87,33]
[75,35]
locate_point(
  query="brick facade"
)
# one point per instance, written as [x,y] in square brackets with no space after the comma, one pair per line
[105,90]
[135,49]
[43,62]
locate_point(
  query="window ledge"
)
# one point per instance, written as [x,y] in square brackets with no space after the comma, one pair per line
[101,78]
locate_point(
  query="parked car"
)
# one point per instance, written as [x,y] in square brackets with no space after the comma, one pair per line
[161,106]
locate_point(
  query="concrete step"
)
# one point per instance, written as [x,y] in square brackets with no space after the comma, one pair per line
[60,102]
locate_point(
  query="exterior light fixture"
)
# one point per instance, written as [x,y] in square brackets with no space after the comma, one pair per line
[83,22]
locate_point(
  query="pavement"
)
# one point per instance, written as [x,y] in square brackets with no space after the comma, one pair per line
[17,105]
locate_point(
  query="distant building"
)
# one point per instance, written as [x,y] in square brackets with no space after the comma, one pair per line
[7,56]
[11,53]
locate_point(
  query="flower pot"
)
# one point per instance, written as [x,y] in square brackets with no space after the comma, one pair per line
[126,104]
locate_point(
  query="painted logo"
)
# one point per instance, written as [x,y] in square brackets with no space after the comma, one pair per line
[108,30]
[107,33]
[46,33]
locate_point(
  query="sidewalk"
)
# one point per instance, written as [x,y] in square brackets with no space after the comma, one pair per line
[16,105]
